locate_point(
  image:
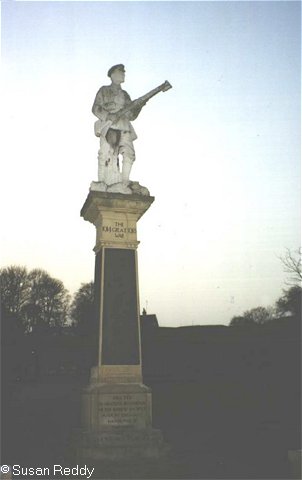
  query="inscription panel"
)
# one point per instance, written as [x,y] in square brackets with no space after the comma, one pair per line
[120,337]
[118,230]
[123,409]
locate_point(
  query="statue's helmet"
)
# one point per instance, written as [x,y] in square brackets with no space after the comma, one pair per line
[120,66]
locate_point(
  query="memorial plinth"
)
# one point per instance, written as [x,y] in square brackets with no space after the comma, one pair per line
[117,408]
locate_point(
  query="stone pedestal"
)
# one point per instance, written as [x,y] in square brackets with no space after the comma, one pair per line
[117,408]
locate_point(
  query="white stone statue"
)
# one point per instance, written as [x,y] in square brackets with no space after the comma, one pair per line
[115,111]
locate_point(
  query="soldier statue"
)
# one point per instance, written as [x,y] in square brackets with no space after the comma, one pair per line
[115,110]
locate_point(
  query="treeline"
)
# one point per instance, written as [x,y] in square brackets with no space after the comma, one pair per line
[35,301]
[288,305]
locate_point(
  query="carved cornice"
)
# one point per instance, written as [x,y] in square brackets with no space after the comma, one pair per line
[98,202]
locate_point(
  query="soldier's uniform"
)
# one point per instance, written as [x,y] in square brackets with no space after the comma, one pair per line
[111,99]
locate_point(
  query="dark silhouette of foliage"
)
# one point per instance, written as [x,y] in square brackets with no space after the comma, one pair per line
[33,300]
[255,316]
[14,288]
[82,310]
[290,302]
[48,300]
[289,305]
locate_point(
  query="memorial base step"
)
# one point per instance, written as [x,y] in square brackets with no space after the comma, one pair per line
[119,443]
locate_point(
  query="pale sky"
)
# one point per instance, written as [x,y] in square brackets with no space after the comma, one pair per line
[220,151]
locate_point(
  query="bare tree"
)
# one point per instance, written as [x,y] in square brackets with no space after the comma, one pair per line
[292,265]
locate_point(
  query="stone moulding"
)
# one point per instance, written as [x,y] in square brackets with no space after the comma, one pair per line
[98,202]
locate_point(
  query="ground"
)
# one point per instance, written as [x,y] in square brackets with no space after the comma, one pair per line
[40,418]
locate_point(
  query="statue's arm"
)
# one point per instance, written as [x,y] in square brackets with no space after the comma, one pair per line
[97,107]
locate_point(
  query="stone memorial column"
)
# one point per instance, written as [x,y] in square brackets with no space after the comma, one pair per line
[117,410]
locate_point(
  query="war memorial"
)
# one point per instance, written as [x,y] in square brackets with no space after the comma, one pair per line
[117,406]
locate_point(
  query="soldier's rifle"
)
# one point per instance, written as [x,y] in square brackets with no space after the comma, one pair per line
[138,103]
[141,101]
